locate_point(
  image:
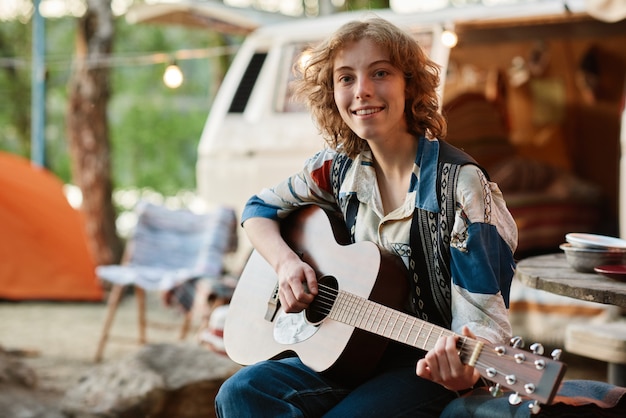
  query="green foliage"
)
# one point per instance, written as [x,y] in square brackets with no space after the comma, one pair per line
[14,88]
[155,145]
[154,131]
[366,4]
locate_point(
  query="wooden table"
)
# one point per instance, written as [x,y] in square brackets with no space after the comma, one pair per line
[553,274]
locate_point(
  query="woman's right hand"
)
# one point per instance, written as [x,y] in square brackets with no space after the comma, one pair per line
[297,281]
[297,284]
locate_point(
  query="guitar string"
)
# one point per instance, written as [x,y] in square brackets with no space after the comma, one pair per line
[327,300]
[328,295]
[466,349]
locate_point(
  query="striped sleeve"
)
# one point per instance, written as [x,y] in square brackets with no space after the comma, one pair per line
[482,264]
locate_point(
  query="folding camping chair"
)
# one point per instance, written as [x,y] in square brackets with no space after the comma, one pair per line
[167,249]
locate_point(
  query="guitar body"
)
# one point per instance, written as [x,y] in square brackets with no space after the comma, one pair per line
[256,329]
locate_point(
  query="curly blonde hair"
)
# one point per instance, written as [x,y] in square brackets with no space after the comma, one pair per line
[314,82]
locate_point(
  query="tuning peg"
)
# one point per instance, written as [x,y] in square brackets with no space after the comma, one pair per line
[556,354]
[517,342]
[534,407]
[537,348]
[540,364]
[515,399]
[495,390]
[530,388]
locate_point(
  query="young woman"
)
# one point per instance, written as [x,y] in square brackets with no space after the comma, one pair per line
[372,91]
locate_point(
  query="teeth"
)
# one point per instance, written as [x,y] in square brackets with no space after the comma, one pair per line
[363,112]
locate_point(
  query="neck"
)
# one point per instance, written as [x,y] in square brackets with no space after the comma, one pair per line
[395,159]
[394,167]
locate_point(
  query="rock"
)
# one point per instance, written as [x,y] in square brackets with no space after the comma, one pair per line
[14,372]
[19,397]
[160,380]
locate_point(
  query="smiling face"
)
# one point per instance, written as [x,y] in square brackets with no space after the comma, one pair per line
[369,91]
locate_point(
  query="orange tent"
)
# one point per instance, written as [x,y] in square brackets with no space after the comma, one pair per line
[43,246]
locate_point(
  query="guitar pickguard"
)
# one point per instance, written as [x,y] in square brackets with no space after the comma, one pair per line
[292,328]
[298,327]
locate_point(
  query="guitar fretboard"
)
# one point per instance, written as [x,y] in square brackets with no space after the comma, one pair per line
[381,320]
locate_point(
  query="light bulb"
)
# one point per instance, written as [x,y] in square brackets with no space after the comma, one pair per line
[173,76]
[449,38]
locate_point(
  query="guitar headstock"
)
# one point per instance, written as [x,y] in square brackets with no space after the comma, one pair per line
[530,374]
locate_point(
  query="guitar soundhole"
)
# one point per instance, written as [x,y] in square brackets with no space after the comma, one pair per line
[319,309]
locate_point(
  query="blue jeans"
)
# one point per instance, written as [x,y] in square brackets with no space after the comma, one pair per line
[288,388]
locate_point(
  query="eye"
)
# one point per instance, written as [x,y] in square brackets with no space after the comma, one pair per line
[344,79]
[381,73]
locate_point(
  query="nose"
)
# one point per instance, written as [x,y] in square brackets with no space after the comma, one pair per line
[363,88]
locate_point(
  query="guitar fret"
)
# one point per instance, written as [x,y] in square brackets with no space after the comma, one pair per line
[386,319]
[398,323]
[357,316]
[366,326]
[348,311]
[376,317]
[426,347]
[395,323]
[403,332]
[337,308]
[356,312]
[417,336]
[345,312]
[382,322]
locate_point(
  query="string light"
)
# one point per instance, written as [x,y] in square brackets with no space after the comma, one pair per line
[123,60]
[449,38]
[173,76]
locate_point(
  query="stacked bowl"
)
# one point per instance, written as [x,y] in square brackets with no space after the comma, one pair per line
[585,252]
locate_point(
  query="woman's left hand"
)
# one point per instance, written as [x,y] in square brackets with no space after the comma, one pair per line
[443,365]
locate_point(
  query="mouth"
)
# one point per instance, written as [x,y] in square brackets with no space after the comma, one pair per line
[368,111]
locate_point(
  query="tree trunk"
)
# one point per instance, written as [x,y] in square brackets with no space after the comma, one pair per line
[88,131]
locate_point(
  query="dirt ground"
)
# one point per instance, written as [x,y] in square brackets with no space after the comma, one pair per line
[59,339]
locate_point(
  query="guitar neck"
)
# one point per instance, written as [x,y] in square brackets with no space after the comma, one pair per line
[394,325]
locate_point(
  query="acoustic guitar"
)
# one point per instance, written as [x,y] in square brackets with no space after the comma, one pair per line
[358,310]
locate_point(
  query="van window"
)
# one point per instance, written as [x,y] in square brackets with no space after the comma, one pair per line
[240,99]
[285,102]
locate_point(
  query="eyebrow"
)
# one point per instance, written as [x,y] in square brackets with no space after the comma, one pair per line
[372,64]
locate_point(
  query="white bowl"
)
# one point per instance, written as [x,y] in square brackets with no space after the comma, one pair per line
[585,259]
[595,241]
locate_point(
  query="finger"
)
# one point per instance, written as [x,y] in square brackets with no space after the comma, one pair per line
[432,360]
[288,296]
[422,369]
[302,293]
[452,351]
[467,332]
[311,281]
